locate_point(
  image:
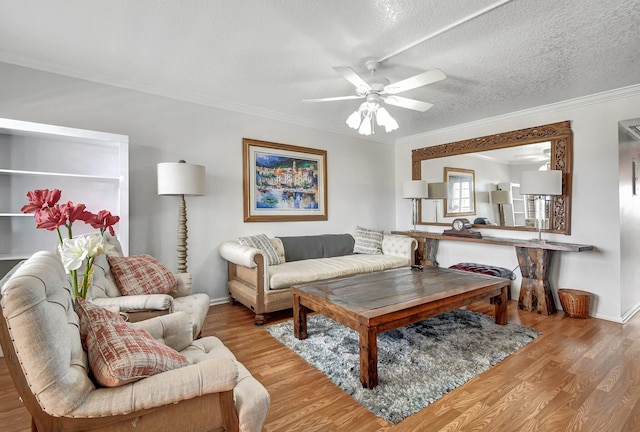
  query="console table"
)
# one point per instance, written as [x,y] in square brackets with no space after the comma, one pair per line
[534,259]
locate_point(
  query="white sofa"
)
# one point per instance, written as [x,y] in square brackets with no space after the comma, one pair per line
[265,288]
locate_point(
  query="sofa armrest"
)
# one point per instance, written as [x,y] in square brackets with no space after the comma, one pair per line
[174,330]
[239,254]
[135,303]
[209,376]
[399,245]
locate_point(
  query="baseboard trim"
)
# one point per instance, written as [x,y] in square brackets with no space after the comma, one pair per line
[219,301]
[630,313]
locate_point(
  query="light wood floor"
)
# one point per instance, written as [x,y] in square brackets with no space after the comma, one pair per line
[580,375]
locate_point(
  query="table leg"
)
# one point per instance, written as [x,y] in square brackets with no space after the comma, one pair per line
[427,252]
[535,292]
[368,357]
[500,303]
[299,318]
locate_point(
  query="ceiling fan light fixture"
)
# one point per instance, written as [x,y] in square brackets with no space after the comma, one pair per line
[383,118]
[354,120]
[366,127]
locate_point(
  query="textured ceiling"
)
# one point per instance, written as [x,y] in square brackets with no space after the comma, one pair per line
[265,56]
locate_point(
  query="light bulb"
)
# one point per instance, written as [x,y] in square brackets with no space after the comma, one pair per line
[354,120]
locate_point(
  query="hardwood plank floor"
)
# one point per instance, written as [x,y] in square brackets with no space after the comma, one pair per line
[579,375]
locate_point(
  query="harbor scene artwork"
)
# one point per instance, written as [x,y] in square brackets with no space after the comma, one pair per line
[285,182]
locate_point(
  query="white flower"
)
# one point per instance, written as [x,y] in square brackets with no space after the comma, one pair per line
[75,250]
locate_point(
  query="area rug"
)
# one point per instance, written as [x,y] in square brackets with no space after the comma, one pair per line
[417,364]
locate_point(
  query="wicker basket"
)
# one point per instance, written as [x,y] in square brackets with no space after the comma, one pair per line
[575,303]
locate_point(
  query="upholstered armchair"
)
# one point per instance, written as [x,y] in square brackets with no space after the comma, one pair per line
[105,291]
[40,333]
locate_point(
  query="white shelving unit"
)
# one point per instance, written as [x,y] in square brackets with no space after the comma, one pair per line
[515,214]
[88,167]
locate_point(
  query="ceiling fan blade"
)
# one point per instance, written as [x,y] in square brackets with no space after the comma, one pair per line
[411,104]
[353,77]
[415,81]
[330,99]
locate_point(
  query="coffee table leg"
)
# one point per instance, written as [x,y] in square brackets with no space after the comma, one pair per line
[299,318]
[500,303]
[368,357]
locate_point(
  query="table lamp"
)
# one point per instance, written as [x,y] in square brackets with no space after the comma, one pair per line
[181,178]
[501,197]
[438,191]
[540,184]
[414,190]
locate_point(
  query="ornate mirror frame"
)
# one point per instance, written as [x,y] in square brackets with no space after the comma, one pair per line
[559,134]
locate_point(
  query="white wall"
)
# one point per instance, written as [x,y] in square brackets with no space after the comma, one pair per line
[360,178]
[595,208]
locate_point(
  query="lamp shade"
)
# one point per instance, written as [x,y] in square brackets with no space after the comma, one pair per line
[501,197]
[438,191]
[541,182]
[414,189]
[181,178]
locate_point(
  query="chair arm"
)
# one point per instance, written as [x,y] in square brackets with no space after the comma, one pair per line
[174,330]
[209,376]
[143,302]
[184,285]
[399,245]
[239,254]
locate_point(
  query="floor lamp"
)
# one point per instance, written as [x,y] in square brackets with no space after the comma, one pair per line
[501,197]
[540,184]
[181,178]
[414,190]
[438,191]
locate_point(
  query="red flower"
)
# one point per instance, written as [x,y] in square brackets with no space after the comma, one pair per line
[103,220]
[50,218]
[41,199]
[74,213]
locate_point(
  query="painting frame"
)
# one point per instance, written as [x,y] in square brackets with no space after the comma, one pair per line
[460,176]
[294,191]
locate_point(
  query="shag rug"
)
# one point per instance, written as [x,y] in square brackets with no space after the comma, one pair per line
[417,364]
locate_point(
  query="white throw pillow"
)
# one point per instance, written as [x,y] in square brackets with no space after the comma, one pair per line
[262,242]
[368,241]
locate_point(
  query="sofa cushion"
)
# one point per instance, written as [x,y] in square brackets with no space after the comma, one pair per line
[368,241]
[317,246]
[141,274]
[119,353]
[292,273]
[261,241]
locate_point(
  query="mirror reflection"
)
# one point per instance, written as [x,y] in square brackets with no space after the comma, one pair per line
[488,191]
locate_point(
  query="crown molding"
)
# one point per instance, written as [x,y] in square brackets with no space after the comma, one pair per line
[596,98]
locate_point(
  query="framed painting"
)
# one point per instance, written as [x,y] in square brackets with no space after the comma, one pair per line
[283,183]
[461,195]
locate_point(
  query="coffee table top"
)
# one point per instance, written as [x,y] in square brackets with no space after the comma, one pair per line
[379,293]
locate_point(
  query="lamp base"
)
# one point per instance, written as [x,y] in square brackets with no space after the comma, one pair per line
[538,240]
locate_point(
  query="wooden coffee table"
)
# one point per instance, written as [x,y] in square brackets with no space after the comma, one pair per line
[373,303]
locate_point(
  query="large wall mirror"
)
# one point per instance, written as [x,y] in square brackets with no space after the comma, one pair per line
[487,171]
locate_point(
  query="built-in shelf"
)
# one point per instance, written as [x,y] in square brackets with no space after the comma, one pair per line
[89,167]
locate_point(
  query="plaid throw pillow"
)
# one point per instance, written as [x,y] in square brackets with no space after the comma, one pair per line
[262,242]
[368,241]
[120,354]
[142,274]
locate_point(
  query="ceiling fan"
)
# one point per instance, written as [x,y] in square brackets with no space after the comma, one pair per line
[376,89]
